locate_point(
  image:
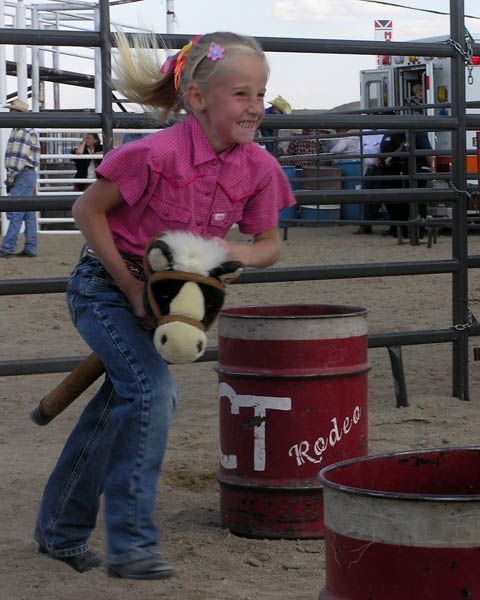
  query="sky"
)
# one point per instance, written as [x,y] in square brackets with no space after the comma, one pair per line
[305,80]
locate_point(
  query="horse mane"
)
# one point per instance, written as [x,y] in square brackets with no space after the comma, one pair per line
[188,252]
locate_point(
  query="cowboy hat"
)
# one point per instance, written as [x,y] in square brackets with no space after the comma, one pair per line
[281,104]
[19,105]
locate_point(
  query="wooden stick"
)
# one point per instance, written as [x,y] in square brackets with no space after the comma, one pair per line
[68,390]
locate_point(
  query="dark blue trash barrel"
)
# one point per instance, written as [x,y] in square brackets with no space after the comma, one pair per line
[350,168]
[291,212]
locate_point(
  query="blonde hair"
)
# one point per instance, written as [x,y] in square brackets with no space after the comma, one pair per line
[138,76]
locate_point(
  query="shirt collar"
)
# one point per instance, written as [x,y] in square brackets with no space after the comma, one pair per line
[202,149]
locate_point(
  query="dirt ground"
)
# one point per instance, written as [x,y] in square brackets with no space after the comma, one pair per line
[212,563]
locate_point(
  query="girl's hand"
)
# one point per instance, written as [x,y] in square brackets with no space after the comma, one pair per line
[237,251]
[134,292]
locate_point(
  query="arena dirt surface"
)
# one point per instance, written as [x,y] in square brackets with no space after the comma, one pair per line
[212,563]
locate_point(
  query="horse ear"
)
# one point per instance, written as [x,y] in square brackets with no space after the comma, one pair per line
[159,256]
[233,268]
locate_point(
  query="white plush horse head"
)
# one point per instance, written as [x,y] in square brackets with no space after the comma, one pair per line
[185,291]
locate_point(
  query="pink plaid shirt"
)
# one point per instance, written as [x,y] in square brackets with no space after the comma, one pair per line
[173,180]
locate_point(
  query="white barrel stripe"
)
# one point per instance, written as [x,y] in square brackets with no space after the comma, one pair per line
[419,523]
[292,329]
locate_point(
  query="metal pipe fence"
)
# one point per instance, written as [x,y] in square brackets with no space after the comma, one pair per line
[457,195]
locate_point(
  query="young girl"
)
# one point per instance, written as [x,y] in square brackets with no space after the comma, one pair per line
[202,175]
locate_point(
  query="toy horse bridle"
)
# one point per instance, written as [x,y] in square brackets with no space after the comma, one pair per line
[152,304]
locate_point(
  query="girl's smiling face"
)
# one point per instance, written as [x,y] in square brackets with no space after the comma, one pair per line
[232,110]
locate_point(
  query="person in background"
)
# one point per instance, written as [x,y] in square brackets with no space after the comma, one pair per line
[278,106]
[346,145]
[298,147]
[132,136]
[202,175]
[86,168]
[22,160]
[416,99]
[417,90]
[372,168]
[398,165]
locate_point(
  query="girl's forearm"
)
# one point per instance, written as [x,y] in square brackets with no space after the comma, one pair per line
[263,252]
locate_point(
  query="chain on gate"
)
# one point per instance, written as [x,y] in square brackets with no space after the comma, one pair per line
[466,52]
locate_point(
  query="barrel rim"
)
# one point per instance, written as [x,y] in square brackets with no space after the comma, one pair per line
[322,476]
[350,311]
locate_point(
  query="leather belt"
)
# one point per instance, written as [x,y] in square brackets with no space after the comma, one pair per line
[136,270]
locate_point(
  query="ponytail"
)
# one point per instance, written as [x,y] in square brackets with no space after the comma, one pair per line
[138,76]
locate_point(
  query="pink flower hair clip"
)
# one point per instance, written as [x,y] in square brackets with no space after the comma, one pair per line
[215,51]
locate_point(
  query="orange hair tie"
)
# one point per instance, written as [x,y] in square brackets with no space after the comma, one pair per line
[181,60]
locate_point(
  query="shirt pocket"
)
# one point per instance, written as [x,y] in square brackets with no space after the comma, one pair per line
[228,207]
[171,202]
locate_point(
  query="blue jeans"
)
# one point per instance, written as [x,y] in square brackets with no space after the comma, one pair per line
[24,186]
[117,446]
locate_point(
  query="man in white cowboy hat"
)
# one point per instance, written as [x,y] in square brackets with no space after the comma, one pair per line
[279,105]
[22,159]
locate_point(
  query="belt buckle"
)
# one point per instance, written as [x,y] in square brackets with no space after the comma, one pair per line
[135,271]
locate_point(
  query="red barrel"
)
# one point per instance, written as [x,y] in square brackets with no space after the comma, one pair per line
[293,398]
[403,526]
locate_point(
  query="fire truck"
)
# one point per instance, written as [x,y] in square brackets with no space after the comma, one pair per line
[395,80]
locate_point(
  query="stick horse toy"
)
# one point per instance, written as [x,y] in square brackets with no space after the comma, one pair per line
[184,292]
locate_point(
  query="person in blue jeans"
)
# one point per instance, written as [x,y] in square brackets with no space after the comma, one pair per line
[117,447]
[22,159]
